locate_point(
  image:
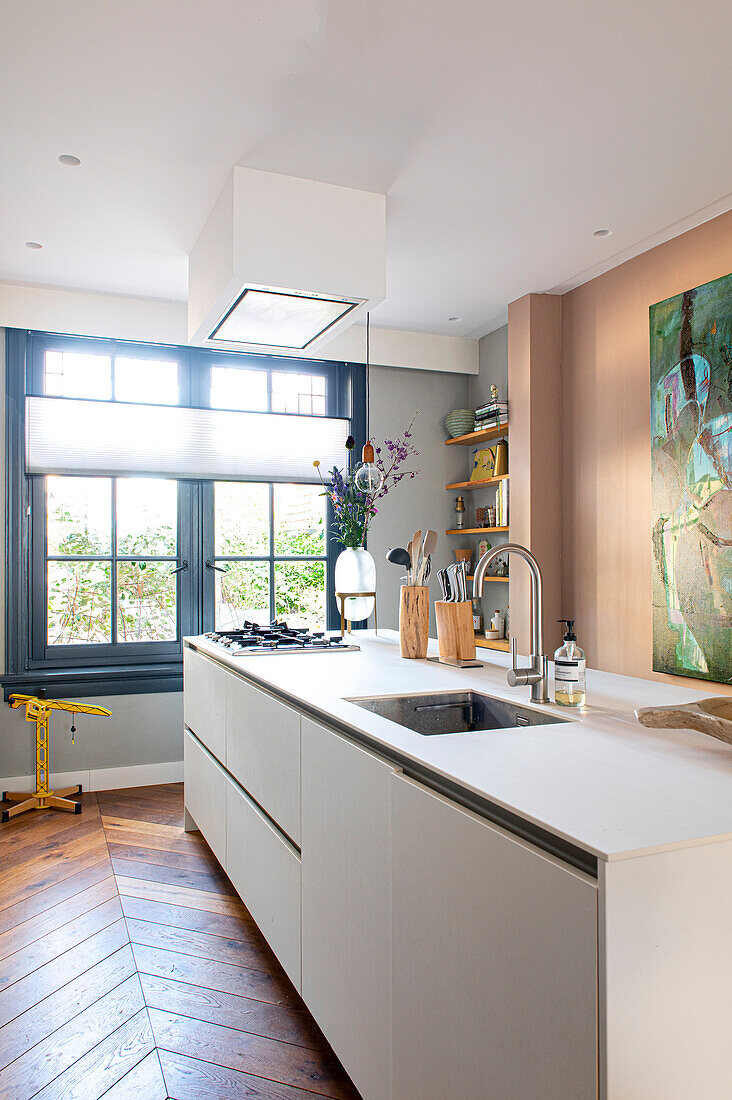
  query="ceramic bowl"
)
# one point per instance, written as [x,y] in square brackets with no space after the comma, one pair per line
[460,422]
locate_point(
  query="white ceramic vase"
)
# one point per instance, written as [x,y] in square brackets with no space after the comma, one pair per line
[355,571]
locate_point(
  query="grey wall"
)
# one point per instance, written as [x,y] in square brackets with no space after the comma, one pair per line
[395,395]
[143,729]
[493,367]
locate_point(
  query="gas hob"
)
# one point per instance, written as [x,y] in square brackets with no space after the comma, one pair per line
[252,639]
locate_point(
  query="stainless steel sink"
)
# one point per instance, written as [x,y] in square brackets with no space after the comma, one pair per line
[453,712]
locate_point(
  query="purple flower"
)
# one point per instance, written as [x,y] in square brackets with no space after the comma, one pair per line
[354,509]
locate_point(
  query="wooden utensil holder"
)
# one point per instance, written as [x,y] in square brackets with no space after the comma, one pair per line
[455,631]
[414,620]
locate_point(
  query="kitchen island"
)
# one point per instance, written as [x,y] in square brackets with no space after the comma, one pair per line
[539,911]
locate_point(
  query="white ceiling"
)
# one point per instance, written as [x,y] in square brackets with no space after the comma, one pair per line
[504,133]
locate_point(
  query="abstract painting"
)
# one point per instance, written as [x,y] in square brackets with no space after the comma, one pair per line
[691,455]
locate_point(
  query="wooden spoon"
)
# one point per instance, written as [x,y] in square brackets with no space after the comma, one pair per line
[416,552]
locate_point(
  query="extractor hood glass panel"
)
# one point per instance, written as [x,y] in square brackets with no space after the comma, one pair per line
[272,318]
[98,438]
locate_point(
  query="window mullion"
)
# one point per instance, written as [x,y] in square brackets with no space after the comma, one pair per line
[189,550]
[207,586]
[197,548]
[38,568]
[272,613]
[113,563]
[180,555]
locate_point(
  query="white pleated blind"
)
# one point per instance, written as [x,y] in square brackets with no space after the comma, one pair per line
[66,436]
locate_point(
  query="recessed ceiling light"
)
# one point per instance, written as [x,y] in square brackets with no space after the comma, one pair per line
[454,318]
[33,244]
[603,233]
[70,160]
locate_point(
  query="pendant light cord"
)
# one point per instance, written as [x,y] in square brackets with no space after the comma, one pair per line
[368,375]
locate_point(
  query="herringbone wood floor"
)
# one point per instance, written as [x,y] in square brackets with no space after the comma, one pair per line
[129,968]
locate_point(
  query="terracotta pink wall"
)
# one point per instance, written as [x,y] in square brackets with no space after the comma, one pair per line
[606,501]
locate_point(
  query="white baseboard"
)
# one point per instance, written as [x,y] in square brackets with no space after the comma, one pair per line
[103,779]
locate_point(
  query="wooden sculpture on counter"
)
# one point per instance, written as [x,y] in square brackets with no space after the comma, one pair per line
[414,620]
[712,716]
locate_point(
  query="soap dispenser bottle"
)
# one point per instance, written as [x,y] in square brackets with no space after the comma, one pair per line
[569,670]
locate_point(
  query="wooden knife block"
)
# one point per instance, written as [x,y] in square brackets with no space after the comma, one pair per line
[414,620]
[455,630]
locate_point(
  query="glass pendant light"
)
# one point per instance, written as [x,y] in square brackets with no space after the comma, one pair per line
[369,477]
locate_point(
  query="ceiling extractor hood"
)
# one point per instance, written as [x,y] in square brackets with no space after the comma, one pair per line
[283,264]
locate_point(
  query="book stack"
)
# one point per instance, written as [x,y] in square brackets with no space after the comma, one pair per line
[502,504]
[490,415]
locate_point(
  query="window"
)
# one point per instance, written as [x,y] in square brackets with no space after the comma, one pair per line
[261,390]
[298,393]
[270,554]
[237,388]
[79,579]
[77,374]
[103,377]
[111,548]
[146,381]
[107,568]
[119,555]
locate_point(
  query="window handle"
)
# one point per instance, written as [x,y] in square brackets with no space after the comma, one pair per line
[180,569]
[210,565]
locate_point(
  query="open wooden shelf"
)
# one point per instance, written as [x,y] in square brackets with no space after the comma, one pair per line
[474,530]
[478,484]
[492,643]
[469,577]
[482,436]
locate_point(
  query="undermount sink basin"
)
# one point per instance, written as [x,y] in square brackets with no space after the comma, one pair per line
[453,712]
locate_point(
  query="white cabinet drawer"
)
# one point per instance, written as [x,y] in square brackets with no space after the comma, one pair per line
[205,785]
[263,753]
[204,701]
[346,903]
[495,960]
[265,871]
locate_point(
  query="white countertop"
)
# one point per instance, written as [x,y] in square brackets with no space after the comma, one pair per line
[601,781]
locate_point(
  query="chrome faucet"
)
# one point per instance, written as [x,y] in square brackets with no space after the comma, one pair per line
[537,676]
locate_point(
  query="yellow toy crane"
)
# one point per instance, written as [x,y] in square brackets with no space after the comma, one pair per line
[39,711]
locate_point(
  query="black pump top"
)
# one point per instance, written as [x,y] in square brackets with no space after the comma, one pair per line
[570,636]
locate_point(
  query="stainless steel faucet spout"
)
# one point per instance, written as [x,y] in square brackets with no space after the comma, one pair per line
[536,676]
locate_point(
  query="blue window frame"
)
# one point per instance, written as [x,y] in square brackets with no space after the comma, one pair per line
[95,606]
